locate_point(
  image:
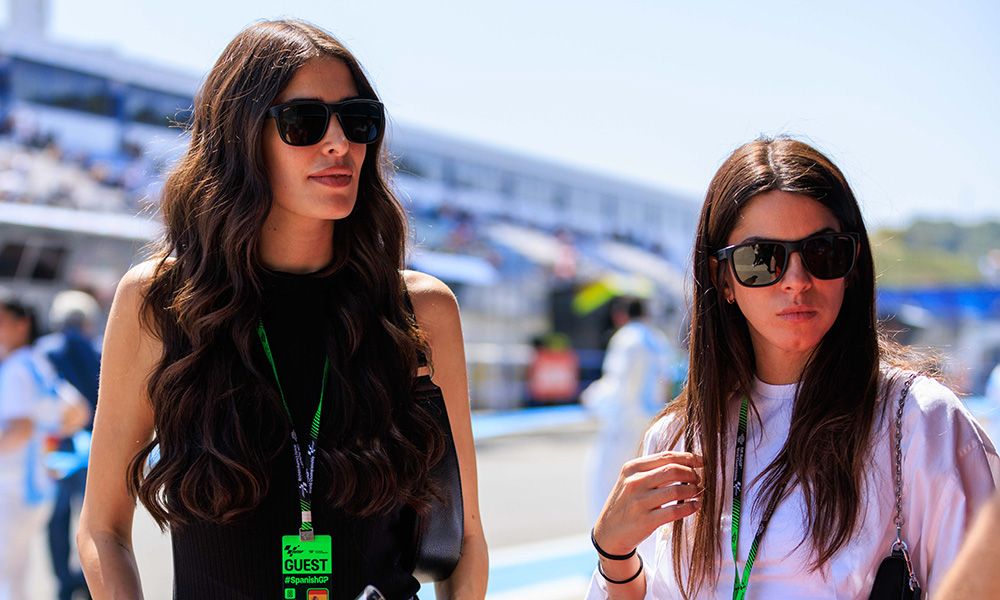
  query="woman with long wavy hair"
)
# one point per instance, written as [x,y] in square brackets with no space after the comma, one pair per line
[789,413]
[265,376]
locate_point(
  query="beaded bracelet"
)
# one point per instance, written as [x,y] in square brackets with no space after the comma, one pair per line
[622,581]
[606,555]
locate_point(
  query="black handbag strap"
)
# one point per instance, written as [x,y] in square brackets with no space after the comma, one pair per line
[408,302]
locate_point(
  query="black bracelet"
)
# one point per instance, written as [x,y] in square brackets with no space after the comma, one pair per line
[617,582]
[601,551]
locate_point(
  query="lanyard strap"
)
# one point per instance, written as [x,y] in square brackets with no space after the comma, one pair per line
[302,473]
[740,583]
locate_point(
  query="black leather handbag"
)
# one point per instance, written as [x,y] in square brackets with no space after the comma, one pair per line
[438,533]
[895,578]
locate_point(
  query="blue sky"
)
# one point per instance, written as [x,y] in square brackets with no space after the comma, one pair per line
[902,95]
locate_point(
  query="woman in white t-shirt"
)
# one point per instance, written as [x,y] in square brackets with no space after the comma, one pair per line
[784,331]
[30,408]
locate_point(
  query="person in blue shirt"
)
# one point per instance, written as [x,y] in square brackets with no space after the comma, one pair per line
[69,354]
[30,409]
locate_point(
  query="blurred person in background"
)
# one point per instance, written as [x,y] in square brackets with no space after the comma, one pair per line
[71,354]
[774,466]
[993,385]
[632,388]
[553,374]
[32,407]
[279,283]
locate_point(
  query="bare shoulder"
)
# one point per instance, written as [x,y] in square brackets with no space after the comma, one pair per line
[424,287]
[136,280]
[434,304]
[126,310]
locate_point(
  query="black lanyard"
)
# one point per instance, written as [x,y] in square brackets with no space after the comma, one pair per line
[304,474]
[740,584]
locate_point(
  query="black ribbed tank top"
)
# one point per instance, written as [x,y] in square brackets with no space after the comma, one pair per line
[242,560]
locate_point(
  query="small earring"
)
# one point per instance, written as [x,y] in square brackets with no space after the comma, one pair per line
[730,300]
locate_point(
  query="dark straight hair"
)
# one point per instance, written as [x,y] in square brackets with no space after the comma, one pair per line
[829,441]
[215,409]
[21,310]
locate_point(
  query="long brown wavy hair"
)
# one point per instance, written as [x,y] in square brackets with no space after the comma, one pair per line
[214,408]
[838,399]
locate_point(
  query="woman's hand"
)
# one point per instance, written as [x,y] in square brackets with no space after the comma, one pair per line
[75,411]
[635,508]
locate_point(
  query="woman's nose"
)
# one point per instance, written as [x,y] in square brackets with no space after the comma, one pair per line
[796,277]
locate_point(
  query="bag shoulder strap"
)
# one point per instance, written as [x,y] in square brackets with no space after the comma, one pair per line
[899,545]
[421,357]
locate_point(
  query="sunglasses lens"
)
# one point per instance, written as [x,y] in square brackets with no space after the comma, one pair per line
[829,256]
[306,123]
[302,124]
[361,121]
[759,264]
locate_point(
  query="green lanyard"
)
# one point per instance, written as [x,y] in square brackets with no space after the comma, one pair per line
[304,475]
[740,584]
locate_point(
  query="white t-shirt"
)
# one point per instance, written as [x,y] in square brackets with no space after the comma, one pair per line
[24,394]
[950,470]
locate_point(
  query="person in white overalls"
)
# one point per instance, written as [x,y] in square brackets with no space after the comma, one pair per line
[632,389]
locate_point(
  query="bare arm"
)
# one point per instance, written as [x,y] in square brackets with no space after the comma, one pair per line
[437,313]
[972,575]
[122,426]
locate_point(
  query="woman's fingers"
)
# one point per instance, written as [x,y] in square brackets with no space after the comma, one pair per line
[652,461]
[669,514]
[644,486]
[666,504]
[671,473]
[670,493]
[654,480]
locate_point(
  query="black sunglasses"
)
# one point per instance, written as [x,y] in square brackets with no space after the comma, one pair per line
[304,122]
[761,263]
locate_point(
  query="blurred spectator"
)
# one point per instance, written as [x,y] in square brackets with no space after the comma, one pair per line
[553,376]
[34,169]
[993,385]
[633,386]
[30,409]
[989,266]
[565,266]
[70,355]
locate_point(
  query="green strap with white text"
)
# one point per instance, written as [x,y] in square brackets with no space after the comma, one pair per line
[740,583]
[303,473]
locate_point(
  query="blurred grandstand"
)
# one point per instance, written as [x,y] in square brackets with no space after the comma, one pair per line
[529,246]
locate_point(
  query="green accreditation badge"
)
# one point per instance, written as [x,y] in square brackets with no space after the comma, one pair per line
[306,567]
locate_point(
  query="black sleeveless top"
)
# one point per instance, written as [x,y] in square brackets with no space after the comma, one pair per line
[242,560]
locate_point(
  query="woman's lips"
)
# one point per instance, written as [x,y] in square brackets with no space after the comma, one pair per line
[796,315]
[337,181]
